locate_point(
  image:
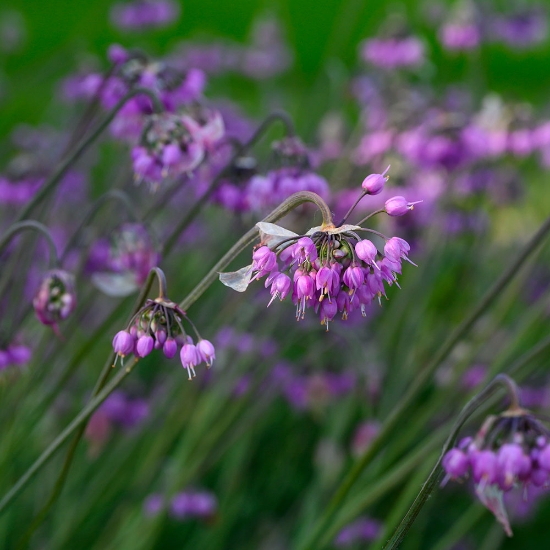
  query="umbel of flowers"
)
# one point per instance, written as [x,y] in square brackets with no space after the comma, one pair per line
[55,299]
[511,450]
[159,324]
[330,269]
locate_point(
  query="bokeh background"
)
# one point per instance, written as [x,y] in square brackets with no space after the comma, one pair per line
[263,439]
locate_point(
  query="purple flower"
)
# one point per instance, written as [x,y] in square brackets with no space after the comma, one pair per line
[457,36]
[144,345]
[399,206]
[374,183]
[363,529]
[393,53]
[123,343]
[193,504]
[143,14]
[206,352]
[456,463]
[189,358]
[366,251]
[56,298]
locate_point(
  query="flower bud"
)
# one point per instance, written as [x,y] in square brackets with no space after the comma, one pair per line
[123,343]
[456,463]
[398,206]
[144,345]
[56,298]
[374,183]
[366,251]
[170,348]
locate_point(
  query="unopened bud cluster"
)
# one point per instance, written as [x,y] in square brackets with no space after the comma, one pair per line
[56,297]
[159,325]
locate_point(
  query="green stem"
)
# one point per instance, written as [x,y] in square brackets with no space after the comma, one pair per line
[103,377]
[34,226]
[420,381]
[79,149]
[282,210]
[433,478]
[381,211]
[346,216]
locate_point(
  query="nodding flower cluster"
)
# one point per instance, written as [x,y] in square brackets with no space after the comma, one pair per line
[510,450]
[159,325]
[56,298]
[331,269]
[174,145]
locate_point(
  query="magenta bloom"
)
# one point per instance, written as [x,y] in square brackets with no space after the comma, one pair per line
[456,36]
[393,53]
[144,14]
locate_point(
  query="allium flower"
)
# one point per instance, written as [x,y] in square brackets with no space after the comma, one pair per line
[171,145]
[56,298]
[159,325]
[522,29]
[330,269]
[193,504]
[143,14]
[393,53]
[510,450]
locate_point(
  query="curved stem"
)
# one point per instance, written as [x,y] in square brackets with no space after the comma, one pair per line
[282,210]
[34,226]
[381,211]
[433,478]
[79,149]
[161,278]
[422,378]
[359,198]
[115,195]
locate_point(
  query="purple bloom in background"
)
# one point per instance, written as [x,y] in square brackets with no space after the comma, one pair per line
[153,505]
[193,504]
[363,529]
[457,36]
[363,436]
[393,53]
[14,355]
[144,14]
[522,29]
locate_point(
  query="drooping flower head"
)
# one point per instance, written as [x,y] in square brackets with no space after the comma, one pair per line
[171,146]
[159,324]
[330,269]
[511,450]
[56,297]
